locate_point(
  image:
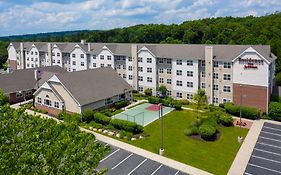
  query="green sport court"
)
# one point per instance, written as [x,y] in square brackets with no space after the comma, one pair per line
[143,114]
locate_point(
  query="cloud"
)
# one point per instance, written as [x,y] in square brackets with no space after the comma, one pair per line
[34,16]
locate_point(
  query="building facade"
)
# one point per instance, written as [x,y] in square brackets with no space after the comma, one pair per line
[226,72]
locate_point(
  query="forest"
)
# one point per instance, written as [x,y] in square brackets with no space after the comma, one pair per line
[222,30]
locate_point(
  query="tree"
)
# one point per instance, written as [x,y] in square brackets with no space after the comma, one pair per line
[88,115]
[278,79]
[200,99]
[275,111]
[3,98]
[163,90]
[148,92]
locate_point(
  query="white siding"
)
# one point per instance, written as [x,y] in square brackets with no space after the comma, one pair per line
[105,53]
[78,60]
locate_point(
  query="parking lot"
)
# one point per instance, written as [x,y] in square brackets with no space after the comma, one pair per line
[266,156]
[121,162]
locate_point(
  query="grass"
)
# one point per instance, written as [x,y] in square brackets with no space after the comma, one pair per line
[215,157]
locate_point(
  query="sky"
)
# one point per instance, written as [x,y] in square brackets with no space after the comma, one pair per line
[35,16]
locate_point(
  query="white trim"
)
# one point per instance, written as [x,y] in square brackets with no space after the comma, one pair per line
[250,49]
[105,48]
[76,47]
[41,87]
[146,49]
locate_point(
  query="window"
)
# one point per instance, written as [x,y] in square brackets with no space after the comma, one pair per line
[108,101]
[149,79]
[35,53]
[179,72]
[102,57]
[36,59]
[118,66]
[94,57]
[169,93]
[179,95]
[124,67]
[32,65]
[47,102]
[108,57]
[124,75]
[130,68]
[149,70]
[108,65]
[169,61]
[57,104]
[161,70]
[58,61]
[179,83]
[130,77]
[203,74]
[227,65]
[189,84]
[189,62]
[216,75]
[179,62]
[74,63]
[31,59]
[169,81]
[27,59]
[161,60]
[73,70]
[18,95]
[203,85]
[149,60]
[189,96]
[226,100]
[58,54]
[216,64]
[161,80]
[73,55]
[39,100]
[140,59]
[31,52]
[215,100]
[215,87]
[190,73]
[82,56]
[94,64]
[226,89]
[54,61]
[27,65]
[169,71]
[82,64]
[130,59]
[140,69]
[140,78]
[140,89]
[203,63]
[226,77]
[101,65]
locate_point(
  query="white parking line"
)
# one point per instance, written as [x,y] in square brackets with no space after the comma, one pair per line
[156,169]
[265,168]
[269,152]
[122,161]
[137,166]
[177,172]
[266,159]
[272,128]
[247,173]
[270,139]
[110,155]
[269,145]
[271,133]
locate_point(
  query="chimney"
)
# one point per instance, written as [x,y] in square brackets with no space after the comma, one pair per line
[83,41]
[209,73]
[89,47]
[22,55]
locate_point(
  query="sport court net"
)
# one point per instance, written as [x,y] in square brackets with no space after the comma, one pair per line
[142,114]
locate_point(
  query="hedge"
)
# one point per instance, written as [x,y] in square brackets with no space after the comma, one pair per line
[101,118]
[226,120]
[275,111]
[121,104]
[153,100]
[126,126]
[247,112]
[88,115]
[177,105]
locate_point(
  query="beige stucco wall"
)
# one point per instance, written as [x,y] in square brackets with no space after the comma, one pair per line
[42,93]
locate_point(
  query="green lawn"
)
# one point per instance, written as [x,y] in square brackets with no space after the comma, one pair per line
[215,157]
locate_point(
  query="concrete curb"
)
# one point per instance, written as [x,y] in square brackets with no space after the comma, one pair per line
[243,156]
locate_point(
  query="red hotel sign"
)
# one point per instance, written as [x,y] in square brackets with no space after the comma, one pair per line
[250,63]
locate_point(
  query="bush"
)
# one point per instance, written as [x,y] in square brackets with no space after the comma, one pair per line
[247,112]
[106,112]
[121,104]
[221,105]
[177,105]
[191,130]
[135,91]
[71,118]
[166,102]
[95,125]
[148,92]
[207,132]
[122,134]
[101,118]
[127,126]
[88,115]
[278,79]
[153,100]
[216,108]
[184,102]
[275,111]
[226,120]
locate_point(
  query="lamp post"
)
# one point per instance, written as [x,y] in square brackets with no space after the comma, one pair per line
[161,150]
[240,138]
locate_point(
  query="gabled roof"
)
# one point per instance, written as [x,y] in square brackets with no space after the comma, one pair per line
[23,79]
[92,85]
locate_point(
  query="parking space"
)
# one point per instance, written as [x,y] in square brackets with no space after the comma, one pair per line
[121,162]
[266,156]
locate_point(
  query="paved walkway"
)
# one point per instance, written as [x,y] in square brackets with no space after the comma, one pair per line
[163,160]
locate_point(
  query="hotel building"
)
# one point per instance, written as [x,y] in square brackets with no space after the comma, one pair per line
[226,72]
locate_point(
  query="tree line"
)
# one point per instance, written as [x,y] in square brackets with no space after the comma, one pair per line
[222,30]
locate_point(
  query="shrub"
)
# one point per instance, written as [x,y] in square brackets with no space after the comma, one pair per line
[129,135]
[177,105]
[106,112]
[247,112]
[127,126]
[166,102]
[278,79]
[184,102]
[101,118]
[148,92]
[275,111]
[221,105]
[122,134]
[153,100]
[71,118]
[135,91]
[95,125]
[216,108]
[226,120]
[88,115]
[191,130]
[207,132]
[121,104]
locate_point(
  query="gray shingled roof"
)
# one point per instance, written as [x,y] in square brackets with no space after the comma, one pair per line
[23,79]
[92,85]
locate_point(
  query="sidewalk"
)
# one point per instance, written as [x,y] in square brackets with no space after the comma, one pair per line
[163,160]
